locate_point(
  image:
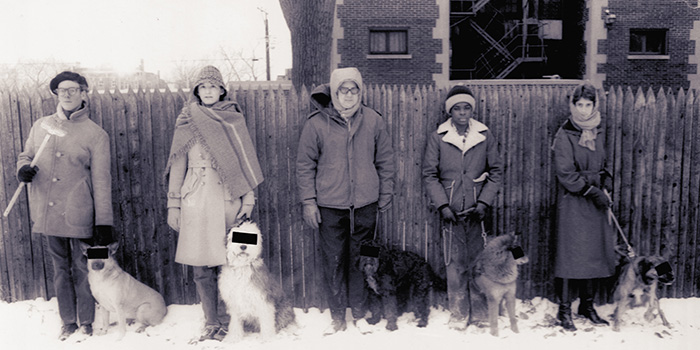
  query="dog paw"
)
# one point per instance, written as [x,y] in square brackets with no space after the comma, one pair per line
[423,323]
[141,329]
[363,326]
[392,326]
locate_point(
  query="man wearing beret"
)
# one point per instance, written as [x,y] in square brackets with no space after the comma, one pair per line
[70,195]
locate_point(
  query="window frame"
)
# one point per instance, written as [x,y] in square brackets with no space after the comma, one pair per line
[644,33]
[387,32]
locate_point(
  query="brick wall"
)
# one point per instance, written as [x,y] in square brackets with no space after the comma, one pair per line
[357,17]
[675,16]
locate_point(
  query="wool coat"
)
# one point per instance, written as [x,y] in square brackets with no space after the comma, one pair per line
[344,163]
[449,172]
[584,238]
[72,191]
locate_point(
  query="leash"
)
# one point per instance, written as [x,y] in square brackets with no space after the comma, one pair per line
[630,251]
[447,246]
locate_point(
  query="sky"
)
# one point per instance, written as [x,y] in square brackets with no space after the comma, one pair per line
[35,324]
[119,33]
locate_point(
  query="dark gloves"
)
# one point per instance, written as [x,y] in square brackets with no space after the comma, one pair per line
[26,173]
[102,235]
[606,180]
[447,213]
[599,198]
[476,213]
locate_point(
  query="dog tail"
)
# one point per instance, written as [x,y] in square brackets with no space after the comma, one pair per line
[438,282]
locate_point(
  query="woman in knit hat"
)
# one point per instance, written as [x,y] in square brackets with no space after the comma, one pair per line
[211,174]
[462,173]
[585,238]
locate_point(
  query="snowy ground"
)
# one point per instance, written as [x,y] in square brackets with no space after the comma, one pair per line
[35,325]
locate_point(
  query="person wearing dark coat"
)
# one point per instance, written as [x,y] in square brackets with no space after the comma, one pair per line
[345,175]
[462,172]
[584,236]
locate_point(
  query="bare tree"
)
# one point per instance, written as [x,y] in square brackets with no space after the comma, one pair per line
[310,25]
[185,73]
[32,75]
[238,66]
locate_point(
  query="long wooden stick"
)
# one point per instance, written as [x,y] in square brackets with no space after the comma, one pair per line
[22,184]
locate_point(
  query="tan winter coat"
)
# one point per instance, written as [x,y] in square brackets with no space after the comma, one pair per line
[72,191]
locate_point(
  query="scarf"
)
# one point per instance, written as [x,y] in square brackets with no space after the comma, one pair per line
[588,125]
[222,132]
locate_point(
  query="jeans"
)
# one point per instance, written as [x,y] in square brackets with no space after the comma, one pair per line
[464,246]
[342,231]
[70,280]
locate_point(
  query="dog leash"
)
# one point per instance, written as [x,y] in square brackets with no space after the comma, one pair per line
[447,246]
[631,254]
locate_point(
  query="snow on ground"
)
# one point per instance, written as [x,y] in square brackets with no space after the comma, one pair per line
[36,325]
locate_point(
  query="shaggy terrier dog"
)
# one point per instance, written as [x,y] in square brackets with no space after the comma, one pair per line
[494,278]
[637,287]
[252,296]
[396,279]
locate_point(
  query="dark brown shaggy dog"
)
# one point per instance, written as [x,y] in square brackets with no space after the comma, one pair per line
[398,281]
[495,273]
[637,287]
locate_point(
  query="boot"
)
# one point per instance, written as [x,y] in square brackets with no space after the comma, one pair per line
[561,288]
[586,308]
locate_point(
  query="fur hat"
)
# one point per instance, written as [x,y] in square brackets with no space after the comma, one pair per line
[459,93]
[210,74]
[67,75]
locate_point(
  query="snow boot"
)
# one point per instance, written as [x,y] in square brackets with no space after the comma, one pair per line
[67,330]
[561,288]
[87,329]
[585,308]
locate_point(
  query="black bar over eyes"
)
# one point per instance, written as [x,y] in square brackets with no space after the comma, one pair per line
[244,238]
[517,252]
[98,253]
[663,268]
[369,251]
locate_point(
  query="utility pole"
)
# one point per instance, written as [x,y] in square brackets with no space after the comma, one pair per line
[267,45]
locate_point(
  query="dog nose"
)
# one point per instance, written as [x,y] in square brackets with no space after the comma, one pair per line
[243,247]
[98,265]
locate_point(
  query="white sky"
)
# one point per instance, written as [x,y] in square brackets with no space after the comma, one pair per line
[119,33]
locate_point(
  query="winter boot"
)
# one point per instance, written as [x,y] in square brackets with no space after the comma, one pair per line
[67,330]
[561,287]
[585,308]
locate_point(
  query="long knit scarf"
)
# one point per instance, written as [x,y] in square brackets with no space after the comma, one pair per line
[222,132]
[588,124]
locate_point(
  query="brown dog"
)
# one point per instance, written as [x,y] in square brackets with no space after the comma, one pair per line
[494,278]
[637,287]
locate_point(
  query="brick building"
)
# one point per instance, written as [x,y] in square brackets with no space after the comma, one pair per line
[610,42]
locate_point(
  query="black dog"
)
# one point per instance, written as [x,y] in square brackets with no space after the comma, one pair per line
[395,280]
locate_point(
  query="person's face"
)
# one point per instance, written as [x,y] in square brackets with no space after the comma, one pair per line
[209,93]
[461,113]
[348,94]
[584,106]
[70,96]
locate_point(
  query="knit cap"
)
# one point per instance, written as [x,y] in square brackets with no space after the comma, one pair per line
[459,93]
[210,74]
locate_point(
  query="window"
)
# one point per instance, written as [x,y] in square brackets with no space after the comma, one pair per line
[648,42]
[384,41]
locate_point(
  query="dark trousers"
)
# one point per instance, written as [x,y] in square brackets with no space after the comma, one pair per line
[342,231]
[75,301]
[206,280]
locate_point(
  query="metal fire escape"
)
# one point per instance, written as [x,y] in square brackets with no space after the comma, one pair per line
[519,43]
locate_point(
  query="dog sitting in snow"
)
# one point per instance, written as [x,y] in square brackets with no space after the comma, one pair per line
[494,278]
[396,279]
[252,296]
[637,287]
[118,292]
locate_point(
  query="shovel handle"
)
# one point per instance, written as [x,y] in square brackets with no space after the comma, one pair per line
[22,184]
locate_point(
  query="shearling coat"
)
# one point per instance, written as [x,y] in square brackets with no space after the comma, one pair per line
[72,191]
[344,163]
[449,173]
[585,239]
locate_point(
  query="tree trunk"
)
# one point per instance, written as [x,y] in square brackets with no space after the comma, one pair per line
[310,25]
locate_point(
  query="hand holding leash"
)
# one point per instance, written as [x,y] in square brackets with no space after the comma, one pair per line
[630,251]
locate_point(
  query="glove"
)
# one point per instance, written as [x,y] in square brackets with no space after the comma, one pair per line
[174,218]
[606,180]
[599,198]
[312,216]
[26,173]
[447,213]
[476,212]
[102,235]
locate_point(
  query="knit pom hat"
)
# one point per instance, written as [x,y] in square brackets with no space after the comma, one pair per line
[459,93]
[67,75]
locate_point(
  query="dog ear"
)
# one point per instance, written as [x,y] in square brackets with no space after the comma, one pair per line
[113,247]
[83,247]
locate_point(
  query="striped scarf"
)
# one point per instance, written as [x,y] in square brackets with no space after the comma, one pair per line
[222,132]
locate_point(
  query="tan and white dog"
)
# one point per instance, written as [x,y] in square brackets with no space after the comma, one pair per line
[495,275]
[118,292]
[252,296]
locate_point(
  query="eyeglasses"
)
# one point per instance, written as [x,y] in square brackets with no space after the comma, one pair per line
[69,91]
[353,90]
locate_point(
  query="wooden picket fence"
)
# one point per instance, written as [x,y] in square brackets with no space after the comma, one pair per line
[651,137]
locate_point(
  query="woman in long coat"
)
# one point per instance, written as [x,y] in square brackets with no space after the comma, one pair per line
[585,238]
